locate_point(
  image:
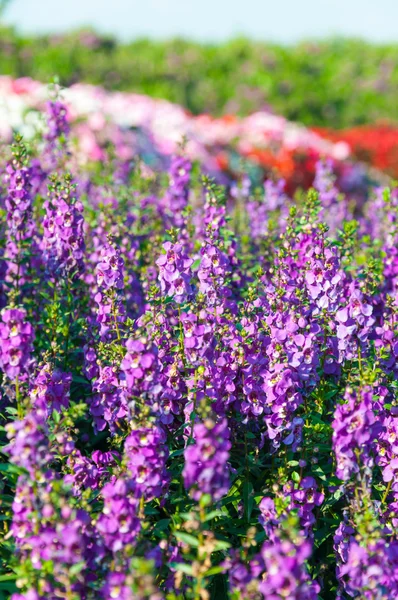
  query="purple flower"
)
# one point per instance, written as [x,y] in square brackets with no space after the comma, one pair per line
[305,498]
[140,366]
[355,429]
[370,569]
[213,271]
[63,237]
[268,518]
[109,402]
[50,390]
[89,473]
[116,587]
[146,454]
[285,574]
[387,451]
[110,269]
[324,183]
[354,322]
[60,534]
[244,579]
[57,132]
[110,279]
[57,122]
[119,523]
[21,250]
[91,368]
[29,446]
[16,335]
[18,201]
[175,272]
[176,198]
[206,468]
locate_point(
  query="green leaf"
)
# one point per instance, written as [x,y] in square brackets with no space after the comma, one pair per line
[10,468]
[9,586]
[162,524]
[184,568]
[214,571]
[8,577]
[196,264]
[221,545]
[75,569]
[212,514]
[322,535]
[187,538]
[79,379]
[248,499]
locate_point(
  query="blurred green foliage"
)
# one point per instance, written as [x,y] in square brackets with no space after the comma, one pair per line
[335,83]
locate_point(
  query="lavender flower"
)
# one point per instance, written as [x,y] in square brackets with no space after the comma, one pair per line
[29,446]
[109,402]
[176,198]
[116,587]
[174,272]
[213,271]
[140,367]
[355,429]
[286,575]
[56,120]
[50,390]
[110,280]
[16,335]
[63,239]
[206,461]
[305,499]
[119,523]
[370,571]
[146,455]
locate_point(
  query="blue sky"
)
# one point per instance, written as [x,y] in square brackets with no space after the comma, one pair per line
[212,20]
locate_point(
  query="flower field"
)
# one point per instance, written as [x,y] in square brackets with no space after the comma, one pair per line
[198,357]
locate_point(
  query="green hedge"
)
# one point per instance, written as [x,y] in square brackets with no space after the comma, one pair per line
[335,83]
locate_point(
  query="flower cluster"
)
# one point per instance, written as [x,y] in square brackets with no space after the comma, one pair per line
[110,281]
[176,199]
[206,468]
[57,131]
[28,447]
[63,240]
[119,523]
[51,389]
[355,429]
[21,247]
[109,401]
[285,572]
[146,454]
[17,336]
[174,272]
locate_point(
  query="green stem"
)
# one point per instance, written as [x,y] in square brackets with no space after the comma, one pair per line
[18,399]
[388,488]
[199,579]
[119,337]
[360,361]
[181,340]
[69,308]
